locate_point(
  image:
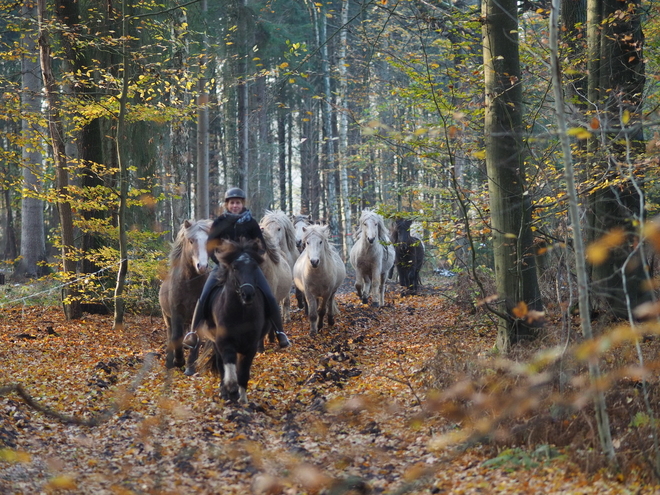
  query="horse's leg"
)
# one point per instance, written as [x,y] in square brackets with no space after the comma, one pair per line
[313,314]
[243,365]
[175,357]
[381,289]
[169,359]
[322,309]
[358,285]
[286,308]
[330,303]
[229,386]
[300,297]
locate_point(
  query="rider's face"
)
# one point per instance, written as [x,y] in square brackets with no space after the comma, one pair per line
[234,205]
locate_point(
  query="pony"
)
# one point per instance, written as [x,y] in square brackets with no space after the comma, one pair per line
[181,288]
[279,227]
[409,254]
[372,257]
[280,279]
[237,323]
[318,273]
[299,223]
[279,274]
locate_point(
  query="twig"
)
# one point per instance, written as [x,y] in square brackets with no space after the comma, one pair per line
[96,420]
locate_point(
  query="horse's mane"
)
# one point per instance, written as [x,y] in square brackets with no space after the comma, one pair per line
[318,230]
[232,250]
[283,221]
[188,228]
[301,218]
[383,234]
[272,248]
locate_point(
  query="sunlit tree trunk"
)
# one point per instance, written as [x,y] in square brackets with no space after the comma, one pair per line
[342,152]
[33,241]
[202,190]
[515,271]
[69,294]
[122,160]
[330,183]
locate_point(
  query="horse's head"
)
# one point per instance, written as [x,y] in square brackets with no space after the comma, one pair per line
[192,239]
[402,229]
[299,223]
[242,261]
[370,225]
[315,243]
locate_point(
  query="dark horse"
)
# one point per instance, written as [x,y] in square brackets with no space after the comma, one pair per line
[236,322]
[408,254]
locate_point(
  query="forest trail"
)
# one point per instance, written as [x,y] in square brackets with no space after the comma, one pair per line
[341,413]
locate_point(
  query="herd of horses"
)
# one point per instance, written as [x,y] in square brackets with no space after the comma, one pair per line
[298,253]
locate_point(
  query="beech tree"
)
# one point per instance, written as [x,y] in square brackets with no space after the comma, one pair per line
[510,206]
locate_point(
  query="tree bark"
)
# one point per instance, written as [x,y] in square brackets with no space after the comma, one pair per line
[616,83]
[515,271]
[33,239]
[70,298]
[202,205]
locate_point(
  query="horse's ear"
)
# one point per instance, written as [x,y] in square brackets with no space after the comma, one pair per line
[304,229]
[187,224]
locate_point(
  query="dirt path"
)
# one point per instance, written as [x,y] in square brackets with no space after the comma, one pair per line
[337,414]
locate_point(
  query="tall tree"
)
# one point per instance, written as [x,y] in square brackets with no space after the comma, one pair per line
[616,88]
[33,241]
[56,131]
[510,210]
[202,190]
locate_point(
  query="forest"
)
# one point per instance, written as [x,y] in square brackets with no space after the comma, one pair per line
[520,141]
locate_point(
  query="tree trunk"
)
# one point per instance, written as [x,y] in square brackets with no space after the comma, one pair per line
[202,191]
[515,271]
[616,83]
[342,152]
[602,418]
[122,160]
[33,239]
[70,298]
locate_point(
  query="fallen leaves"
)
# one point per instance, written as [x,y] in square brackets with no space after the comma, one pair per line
[335,413]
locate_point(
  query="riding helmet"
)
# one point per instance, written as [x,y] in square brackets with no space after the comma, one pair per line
[234,192]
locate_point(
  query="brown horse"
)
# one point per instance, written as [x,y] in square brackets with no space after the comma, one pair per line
[183,285]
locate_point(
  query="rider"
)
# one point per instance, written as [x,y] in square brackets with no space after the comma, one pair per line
[234,223]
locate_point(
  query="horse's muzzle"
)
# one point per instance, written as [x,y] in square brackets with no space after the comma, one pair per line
[247,292]
[314,263]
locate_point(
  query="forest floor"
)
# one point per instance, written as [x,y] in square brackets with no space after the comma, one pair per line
[346,412]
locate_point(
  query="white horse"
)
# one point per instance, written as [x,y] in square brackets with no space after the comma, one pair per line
[280,228]
[299,223]
[372,256]
[279,275]
[318,273]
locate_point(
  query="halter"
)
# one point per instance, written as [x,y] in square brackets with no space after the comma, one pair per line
[240,288]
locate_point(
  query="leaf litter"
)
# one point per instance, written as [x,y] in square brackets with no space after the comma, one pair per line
[342,413]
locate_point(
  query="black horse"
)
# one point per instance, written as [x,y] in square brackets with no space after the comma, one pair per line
[408,254]
[236,318]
